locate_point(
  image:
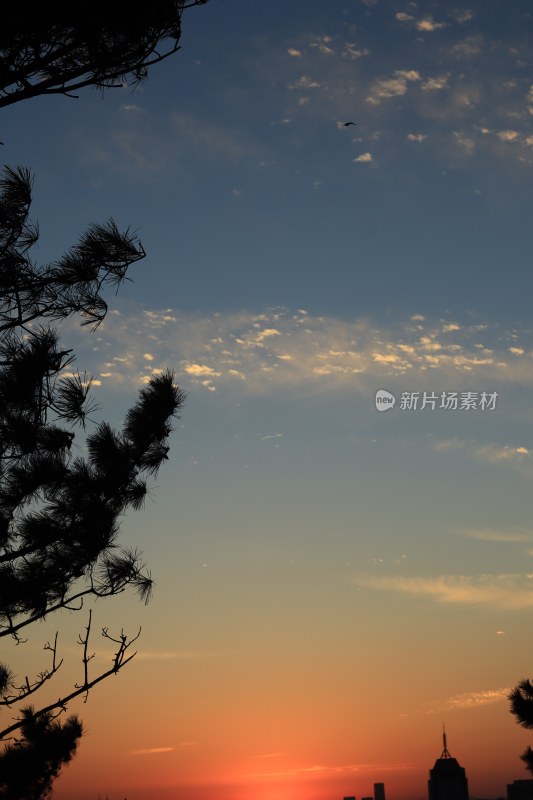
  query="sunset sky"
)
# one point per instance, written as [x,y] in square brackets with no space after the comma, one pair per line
[333,582]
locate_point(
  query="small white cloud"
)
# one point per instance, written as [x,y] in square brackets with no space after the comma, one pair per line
[471,46]
[408,74]
[462,16]
[385,358]
[294,53]
[352,52]
[148,357]
[402,16]
[416,137]
[508,136]
[266,333]
[201,369]
[428,25]
[436,83]
[131,108]
[305,83]
[467,144]
[364,158]
[323,45]
[392,87]
[159,317]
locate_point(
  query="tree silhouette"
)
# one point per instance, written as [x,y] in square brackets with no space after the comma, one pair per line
[29,766]
[59,512]
[56,48]
[521,701]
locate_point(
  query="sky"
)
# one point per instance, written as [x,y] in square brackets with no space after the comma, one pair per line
[341,539]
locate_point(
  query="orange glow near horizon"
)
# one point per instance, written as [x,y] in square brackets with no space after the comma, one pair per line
[214,767]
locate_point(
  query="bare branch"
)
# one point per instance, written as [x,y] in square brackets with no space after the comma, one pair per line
[119,661]
[28,688]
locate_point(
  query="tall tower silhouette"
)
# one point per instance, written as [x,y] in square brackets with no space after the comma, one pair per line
[447,779]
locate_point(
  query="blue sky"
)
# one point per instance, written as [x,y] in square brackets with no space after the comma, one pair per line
[296,266]
[260,196]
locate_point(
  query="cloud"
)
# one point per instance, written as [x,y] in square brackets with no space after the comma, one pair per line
[333,769]
[351,51]
[142,146]
[465,142]
[270,755]
[385,88]
[468,47]
[507,592]
[490,535]
[450,326]
[463,15]
[170,655]
[281,348]
[323,44]
[530,99]
[151,751]
[198,136]
[517,457]
[305,83]
[416,137]
[425,24]
[201,369]
[438,82]
[158,318]
[364,158]
[508,136]
[468,700]
[428,24]
[294,53]
[402,16]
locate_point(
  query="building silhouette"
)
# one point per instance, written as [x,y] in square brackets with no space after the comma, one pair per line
[447,779]
[379,794]
[520,790]
[379,791]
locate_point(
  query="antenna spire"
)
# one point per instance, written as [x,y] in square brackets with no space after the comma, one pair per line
[445,752]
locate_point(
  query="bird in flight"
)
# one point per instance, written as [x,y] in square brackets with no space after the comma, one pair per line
[345,124]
